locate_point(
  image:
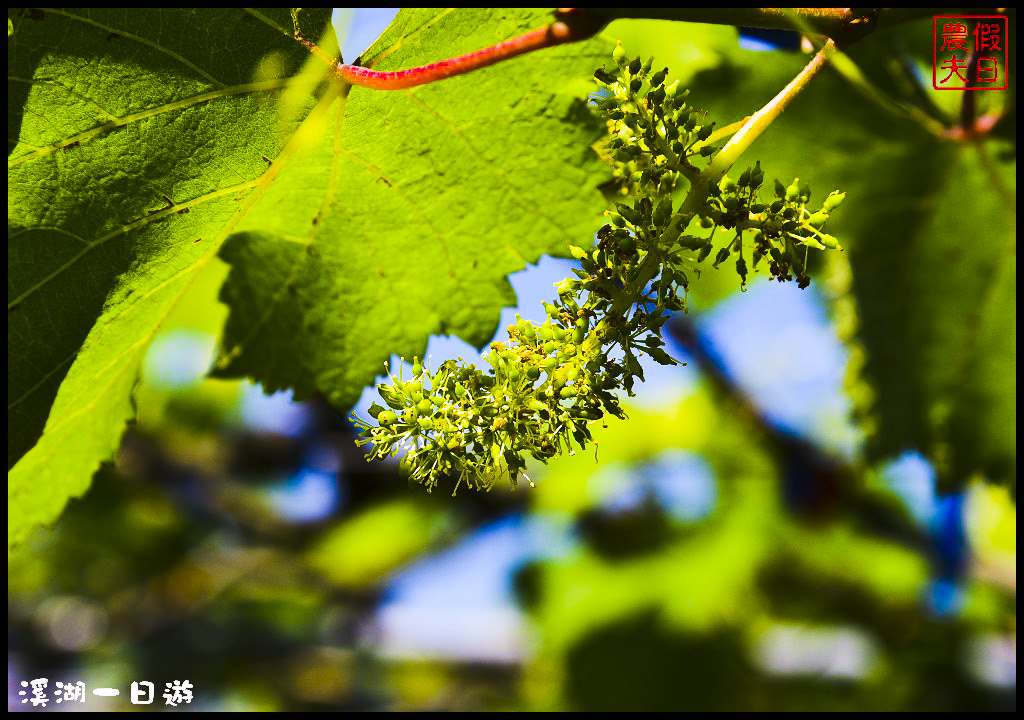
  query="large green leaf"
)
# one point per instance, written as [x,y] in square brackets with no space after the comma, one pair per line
[932,243]
[416,205]
[140,136]
[143,139]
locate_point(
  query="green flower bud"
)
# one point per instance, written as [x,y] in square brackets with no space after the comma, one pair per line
[829,241]
[817,219]
[833,201]
[663,213]
[741,269]
[391,396]
[634,67]
[756,175]
[805,192]
[631,214]
[387,417]
[659,77]
[619,55]
[793,191]
[691,242]
[722,256]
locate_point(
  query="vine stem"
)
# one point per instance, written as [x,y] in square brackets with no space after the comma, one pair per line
[763,118]
[572,26]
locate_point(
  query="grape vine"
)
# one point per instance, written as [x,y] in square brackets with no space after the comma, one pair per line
[549,382]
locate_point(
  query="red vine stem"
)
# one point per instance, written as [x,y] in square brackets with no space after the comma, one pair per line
[573,26]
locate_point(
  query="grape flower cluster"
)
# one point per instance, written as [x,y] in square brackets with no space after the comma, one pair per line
[550,381]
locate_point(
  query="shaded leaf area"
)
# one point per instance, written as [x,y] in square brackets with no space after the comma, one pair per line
[140,135]
[935,278]
[929,228]
[415,207]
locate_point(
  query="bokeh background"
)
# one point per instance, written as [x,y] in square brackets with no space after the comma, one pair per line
[727,550]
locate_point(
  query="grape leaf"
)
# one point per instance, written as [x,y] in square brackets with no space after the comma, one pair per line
[140,135]
[143,139]
[418,205]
